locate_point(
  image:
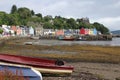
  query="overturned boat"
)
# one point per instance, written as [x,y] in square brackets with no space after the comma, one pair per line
[14,72]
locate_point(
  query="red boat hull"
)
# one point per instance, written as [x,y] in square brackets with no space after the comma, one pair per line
[43,65]
[68,39]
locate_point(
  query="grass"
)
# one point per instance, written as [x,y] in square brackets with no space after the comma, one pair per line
[86,53]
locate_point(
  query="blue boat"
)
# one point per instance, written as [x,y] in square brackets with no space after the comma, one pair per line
[27,73]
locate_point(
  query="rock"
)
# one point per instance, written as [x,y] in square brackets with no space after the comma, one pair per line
[117,78]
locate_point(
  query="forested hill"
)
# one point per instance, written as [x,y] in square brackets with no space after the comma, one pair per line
[117,32]
[27,17]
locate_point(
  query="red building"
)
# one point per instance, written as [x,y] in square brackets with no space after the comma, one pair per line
[82,31]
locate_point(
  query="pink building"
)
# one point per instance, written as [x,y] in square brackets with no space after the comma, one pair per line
[59,32]
[87,31]
[14,28]
[19,31]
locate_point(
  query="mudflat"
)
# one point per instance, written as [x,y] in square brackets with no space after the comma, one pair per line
[91,71]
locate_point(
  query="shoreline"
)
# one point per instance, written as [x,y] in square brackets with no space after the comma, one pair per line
[114,42]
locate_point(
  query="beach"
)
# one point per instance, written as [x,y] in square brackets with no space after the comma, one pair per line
[91,71]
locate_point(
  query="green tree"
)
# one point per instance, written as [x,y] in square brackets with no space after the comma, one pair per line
[9,19]
[13,9]
[71,23]
[24,13]
[82,25]
[47,18]
[58,22]
[5,19]
[47,25]
[101,28]
[39,15]
[78,21]
[32,13]
[35,19]
[2,14]
[1,31]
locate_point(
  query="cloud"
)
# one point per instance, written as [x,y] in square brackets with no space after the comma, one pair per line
[57,8]
[117,4]
[68,8]
[104,11]
[113,23]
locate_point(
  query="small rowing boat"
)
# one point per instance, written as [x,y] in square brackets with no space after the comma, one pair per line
[43,65]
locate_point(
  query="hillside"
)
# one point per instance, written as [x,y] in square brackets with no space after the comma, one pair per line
[24,16]
[117,32]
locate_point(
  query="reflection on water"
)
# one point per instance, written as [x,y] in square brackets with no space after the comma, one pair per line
[114,42]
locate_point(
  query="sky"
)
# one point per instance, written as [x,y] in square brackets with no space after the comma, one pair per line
[106,12]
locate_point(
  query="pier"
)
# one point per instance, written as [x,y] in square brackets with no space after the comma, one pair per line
[83,37]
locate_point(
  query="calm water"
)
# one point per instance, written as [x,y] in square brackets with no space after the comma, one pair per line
[114,42]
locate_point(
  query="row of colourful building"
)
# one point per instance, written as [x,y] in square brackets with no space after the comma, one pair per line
[30,31]
[16,31]
[82,31]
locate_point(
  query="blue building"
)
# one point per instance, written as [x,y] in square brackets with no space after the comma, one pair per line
[31,31]
[94,31]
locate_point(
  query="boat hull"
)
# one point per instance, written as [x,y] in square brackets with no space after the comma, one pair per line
[42,65]
[24,72]
[68,39]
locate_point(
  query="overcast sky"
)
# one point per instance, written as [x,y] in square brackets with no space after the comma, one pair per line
[106,12]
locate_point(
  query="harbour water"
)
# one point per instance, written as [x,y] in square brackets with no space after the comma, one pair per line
[114,42]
